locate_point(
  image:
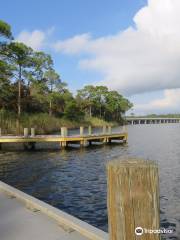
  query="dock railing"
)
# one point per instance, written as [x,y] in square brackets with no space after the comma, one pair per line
[133,200]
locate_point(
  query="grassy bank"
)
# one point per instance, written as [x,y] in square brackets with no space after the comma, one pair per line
[43,123]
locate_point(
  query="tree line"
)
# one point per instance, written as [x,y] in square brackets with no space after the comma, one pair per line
[30,84]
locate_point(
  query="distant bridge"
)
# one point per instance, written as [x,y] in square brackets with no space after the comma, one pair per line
[151,120]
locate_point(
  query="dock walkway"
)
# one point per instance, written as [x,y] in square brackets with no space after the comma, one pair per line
[23,217]
[19,223]
[64,141]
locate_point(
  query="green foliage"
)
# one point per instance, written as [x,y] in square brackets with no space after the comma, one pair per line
[73,112]
[97,122]
[5,30]
[98,101]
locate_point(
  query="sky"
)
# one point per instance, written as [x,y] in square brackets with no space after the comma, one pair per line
[130,46]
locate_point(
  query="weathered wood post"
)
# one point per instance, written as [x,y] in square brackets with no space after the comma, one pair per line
[81,131]
[26,132]
[32,132]
[133,199]
[64,133]
[83,142]
[89,130]
[109,129]
[104,129]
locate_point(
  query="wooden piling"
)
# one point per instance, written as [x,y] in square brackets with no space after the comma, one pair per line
[64,132]
[83,143]
[89,130]
[0,132]
[109,129]
[63,144]
[26,132]
[81,131]
[32,132]
[104,129]
[133,199]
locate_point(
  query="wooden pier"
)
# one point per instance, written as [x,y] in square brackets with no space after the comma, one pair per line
[64,139]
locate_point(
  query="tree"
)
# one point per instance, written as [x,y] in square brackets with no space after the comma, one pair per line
[100,98]
[86,99]
[103,103]
[5,70]
[19,56]
[73,112]
[36,81]
[5,34]
[41,62]
[55,87]
[5,30]
[92,98]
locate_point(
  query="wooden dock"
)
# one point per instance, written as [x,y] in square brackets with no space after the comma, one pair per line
[64,139]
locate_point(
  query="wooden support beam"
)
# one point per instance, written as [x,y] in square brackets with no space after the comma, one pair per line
[63,144]
[105,140]
[83,143]
[133,199]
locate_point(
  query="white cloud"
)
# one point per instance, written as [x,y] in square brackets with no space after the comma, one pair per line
[34,39]
[73,45]
[136,60]
[169,103]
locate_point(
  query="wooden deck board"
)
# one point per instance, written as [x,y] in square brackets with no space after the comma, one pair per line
[58,138]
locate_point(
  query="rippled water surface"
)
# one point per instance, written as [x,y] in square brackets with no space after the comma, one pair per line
[74,180]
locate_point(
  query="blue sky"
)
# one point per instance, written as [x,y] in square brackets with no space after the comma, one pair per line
[96,41]
[68,18]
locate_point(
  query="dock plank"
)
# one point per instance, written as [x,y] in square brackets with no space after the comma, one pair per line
[59,138]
